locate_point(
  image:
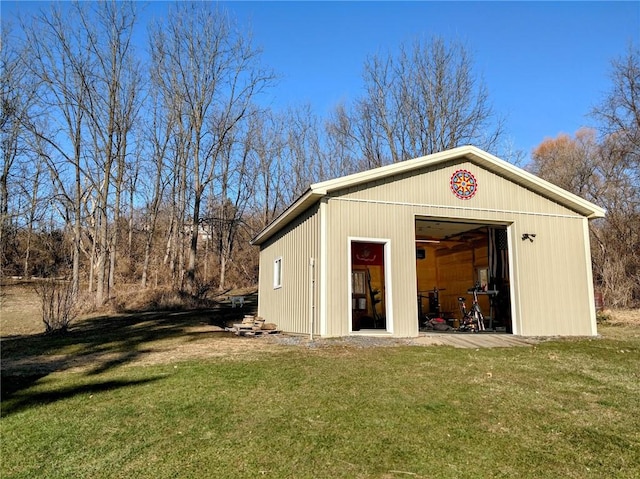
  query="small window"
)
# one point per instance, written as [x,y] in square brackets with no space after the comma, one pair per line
[277,273]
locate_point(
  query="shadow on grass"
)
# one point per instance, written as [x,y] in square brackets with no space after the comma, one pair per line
[25,400]
[97,345]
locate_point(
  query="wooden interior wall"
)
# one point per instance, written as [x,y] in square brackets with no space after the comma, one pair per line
[426,268]
[455,275]
[453,270]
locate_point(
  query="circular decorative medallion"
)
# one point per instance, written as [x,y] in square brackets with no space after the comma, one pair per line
[463,184]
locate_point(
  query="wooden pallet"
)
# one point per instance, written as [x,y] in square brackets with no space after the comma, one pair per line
[257,332]
[251,326]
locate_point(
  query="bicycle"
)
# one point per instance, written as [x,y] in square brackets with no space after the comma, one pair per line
[472,320]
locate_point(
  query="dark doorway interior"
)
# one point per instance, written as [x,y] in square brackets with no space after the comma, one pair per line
[368,304]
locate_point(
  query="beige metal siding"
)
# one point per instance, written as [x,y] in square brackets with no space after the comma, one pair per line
[289,306]
[550,275]
[382,222]
[431,186]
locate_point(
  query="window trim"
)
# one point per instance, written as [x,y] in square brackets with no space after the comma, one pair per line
[277,273]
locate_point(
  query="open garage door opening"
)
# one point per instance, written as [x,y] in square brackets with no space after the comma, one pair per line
[462,271]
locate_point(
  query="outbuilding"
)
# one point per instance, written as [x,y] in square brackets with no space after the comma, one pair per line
[383,251]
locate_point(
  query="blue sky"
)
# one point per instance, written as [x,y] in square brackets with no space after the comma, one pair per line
[545,63]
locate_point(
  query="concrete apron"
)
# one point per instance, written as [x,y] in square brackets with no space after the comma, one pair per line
[470,340]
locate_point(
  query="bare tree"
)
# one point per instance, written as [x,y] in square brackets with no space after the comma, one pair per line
[159,131]
[126,117]
[287,154]
[111,111]
[342,156]
[425,100]
[60,61]
[81,56]
[303,151]
[17,97]
[236,183]
[209,74]
[267,160]
[618,114]
[618,237]
[31,188]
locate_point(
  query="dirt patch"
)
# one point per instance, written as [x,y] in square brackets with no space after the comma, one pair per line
[107,340]
[218,345]
[160,352]
[100,343]
[199,342]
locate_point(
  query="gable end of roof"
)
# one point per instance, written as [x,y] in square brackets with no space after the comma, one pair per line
[492,163]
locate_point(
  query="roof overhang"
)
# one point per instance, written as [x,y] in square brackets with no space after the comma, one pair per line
[492,163]
[305,201]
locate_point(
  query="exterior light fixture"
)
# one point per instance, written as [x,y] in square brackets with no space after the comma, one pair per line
[528,236]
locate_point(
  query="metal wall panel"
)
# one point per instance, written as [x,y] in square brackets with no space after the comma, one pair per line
[289,306]
[432,186]
[550,277]
[378,222]
[550,274]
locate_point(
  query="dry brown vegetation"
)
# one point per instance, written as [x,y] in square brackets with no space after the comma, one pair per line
[619,324]
[21,311]
[625,317]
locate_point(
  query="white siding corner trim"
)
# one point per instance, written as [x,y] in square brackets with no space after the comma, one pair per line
[590,292]
[515,283]
[322,313]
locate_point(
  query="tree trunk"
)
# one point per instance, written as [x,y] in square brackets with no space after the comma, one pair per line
[32,216]
[193,244]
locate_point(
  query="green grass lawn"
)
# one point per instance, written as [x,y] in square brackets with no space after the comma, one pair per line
[560,409]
